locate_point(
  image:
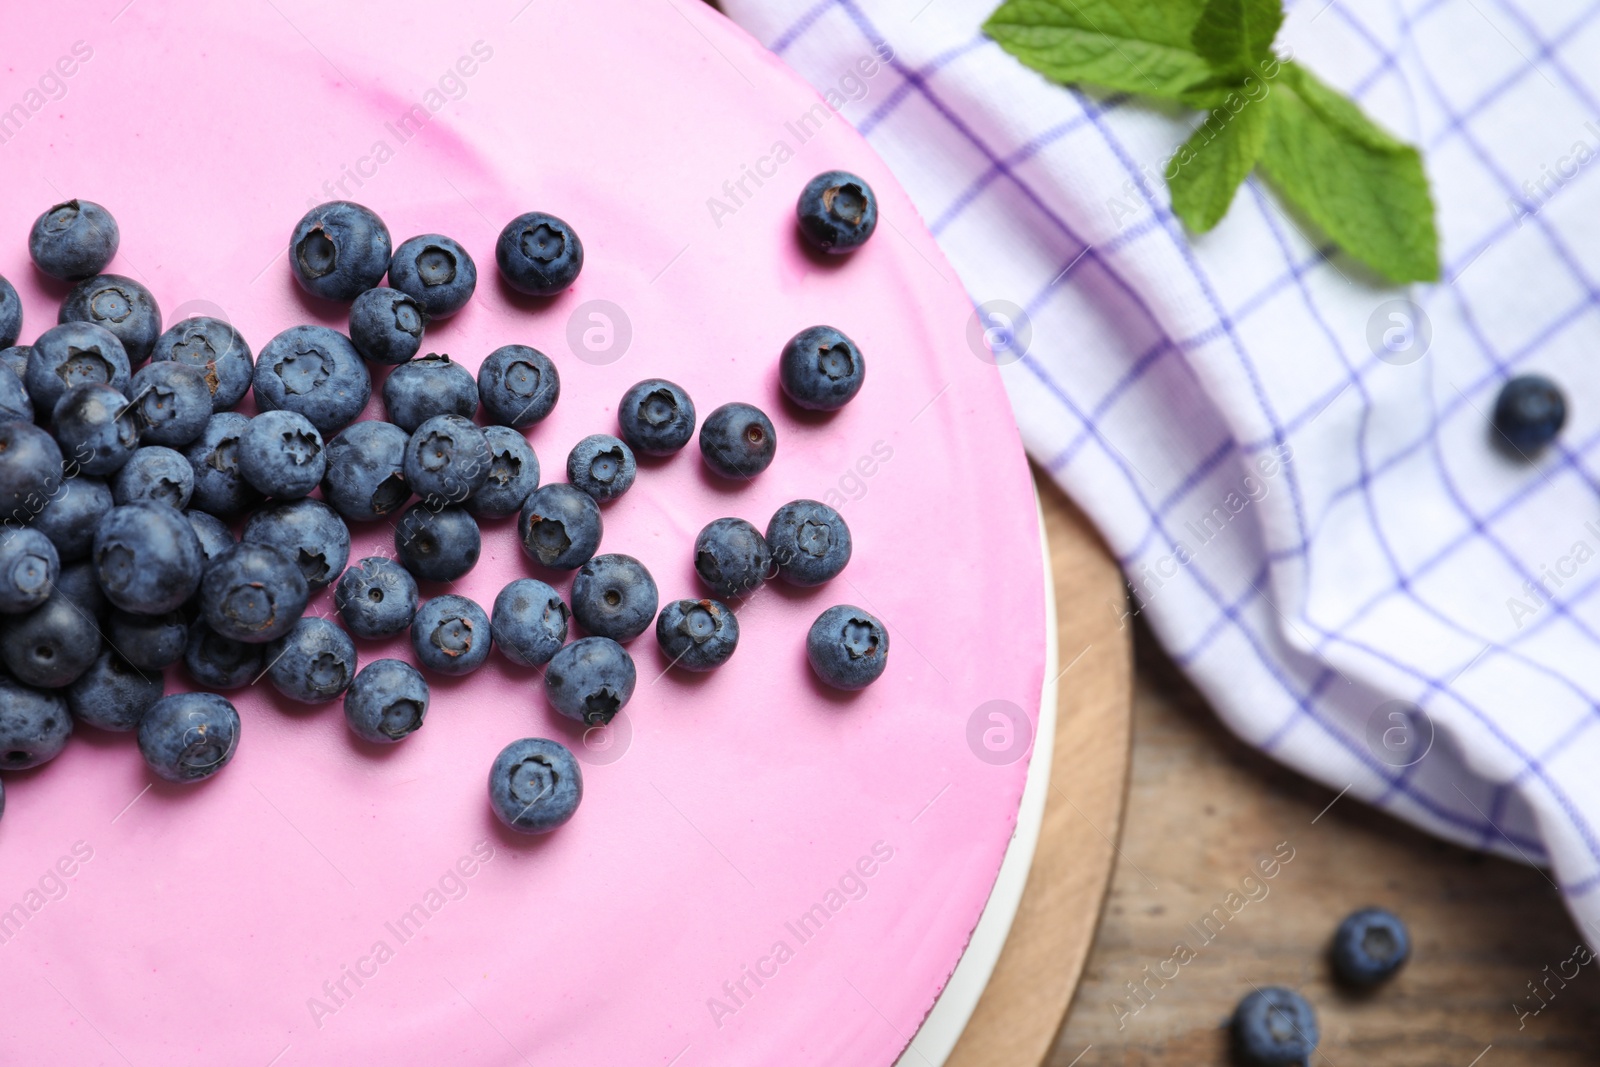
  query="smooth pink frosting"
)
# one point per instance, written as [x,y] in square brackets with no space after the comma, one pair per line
[200,925]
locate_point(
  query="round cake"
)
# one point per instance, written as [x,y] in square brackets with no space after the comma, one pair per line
[763,870]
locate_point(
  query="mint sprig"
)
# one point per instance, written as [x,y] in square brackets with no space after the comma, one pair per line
[1320,153]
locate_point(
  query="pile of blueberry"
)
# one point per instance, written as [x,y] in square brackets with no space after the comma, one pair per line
[146,522]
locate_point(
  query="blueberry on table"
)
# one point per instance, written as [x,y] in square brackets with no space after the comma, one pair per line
[113,694]
[1274,1027]
[1529,413]
[308,532]
[188,737]
[253,593]
[215,349]
[34,726]
[446,460]
[1369,947]
[30,470]
[513,474]
[697,635]
[314,371]
[156,474]
[73,353]
[148,642]
[366,478]
[53,644]
[738,441]
[10,314]
[451,635]
[219,485]
[529,622]
[821,369]
[123,306]
[281,454]
[437,544]
[95,427]
[172,401]
[219,662]
[590,680]
[602,466]
[15,404]
[215,537]
[338,250]
[433,385]
[810,542]
[837,211]
[147,558]
[387,702]
[386,325]
[848,648]
[656,417]
[312,663]
[535,785]
[518,385]
[732,558]
[376,598]
[29,567]
[614,596]
[560,526]
[538,254]
[74,240]
[436,272]
[69,517]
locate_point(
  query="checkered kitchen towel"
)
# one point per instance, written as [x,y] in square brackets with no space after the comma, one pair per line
[1325,539]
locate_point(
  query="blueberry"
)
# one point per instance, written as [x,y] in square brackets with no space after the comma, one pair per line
[437,544]
[15,404]
[313,663]
[433,385]
[281,455]
[518,385]
[538,254]
[10,314]
[513,474]
[113,694]
[314,371]
[529,622]
[697,635]
[219,486]
[215,537]
[1529,413]
[188,737]
[451,635]
[71,513]
[308,532]
[338,250]
[387,702]
[376,598]
[847,647]
[156,474]
[560,526]
[738,441]
[434,271]
[29,567]
[614,596]
[30,470]
[590,680]
[54,643]
[809,541]
[732,558]
[366,478]
[81,587]
[535,785]
[821,369]
[95,426]
[16,357]
[74,353]
[74,240]
[837,211]
[121,305]
[218,662]
[215,349]
[148,642]
[1274,1027]
[147,558]
[656,417]
[1369,947]
[172,401]
[446,460]
[252,593]
[386,326]
[601,466]
[34,726]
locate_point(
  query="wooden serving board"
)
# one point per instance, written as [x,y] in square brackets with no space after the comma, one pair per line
[1027,997]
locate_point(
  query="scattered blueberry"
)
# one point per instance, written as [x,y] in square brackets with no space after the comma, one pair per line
[218,662]
[314,371]
[697,635]
[366,479]
[437,544]
[446,460]
[538,254]
[821,369]
[386,326]
[451,635]
[219,485]
[147,558]
[590,680]
[602,466]
[148,642]
[1369,947]
[308,532]
[518,385]
[252,593]
[71,514]
[157,474]
[215,349]
[732,558]
[560,526]
[738,441]
[376,598]
[312,663]
[338,250]
[1274,1027]
[187,737]
[124,307]
[847,647]
[95,426]
[433,385]
[614,596]
[30,470]
[54,643]
[434,271]
[281,455]
[10,314]
[809,541]
[535,785]
[74,353]
[113,694]
[837,211]
[513,474]
[529,622]
[656,417]
[34,726]
[74,240]
[172,401]
[29,567]
[215,537]
[1529,413]
[387,702]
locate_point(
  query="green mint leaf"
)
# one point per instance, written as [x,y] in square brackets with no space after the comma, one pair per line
[1364,189]
[1236,35]
[1204,174]
[1134,46]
